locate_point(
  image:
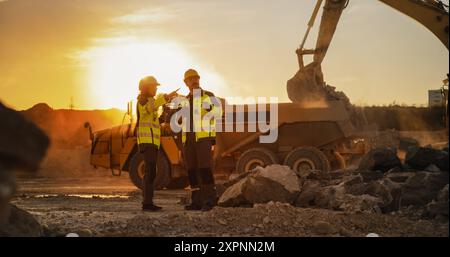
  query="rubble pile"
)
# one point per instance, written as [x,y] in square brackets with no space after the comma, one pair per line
[381,184]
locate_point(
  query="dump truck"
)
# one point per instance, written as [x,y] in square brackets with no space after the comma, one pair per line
[308,138]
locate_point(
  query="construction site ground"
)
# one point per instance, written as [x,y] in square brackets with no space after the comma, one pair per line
[110,206]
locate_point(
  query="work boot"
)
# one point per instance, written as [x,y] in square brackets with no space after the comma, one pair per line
[209,194]
[150,207]
[196,201]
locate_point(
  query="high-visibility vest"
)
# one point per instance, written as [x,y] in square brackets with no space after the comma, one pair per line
[206,128]
[148,127]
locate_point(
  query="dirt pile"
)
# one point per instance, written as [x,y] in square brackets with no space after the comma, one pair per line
[69,152]
[66,127]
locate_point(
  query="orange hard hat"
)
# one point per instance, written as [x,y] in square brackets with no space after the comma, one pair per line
[191,73]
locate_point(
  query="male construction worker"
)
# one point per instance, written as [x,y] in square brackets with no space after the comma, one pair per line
[198,141]
[149,133]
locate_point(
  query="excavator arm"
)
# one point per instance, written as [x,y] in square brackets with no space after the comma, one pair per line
[430,13]
[308,84]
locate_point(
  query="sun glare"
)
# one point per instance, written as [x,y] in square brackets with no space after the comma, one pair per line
[116,68]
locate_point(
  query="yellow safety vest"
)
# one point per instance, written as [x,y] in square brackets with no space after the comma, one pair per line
[148,130]
[208,128]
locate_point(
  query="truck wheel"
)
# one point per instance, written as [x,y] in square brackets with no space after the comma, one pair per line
[254,157]
[137,171]
[307,158]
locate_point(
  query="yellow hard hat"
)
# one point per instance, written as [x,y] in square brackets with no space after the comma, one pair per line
[147,81]
[191,73]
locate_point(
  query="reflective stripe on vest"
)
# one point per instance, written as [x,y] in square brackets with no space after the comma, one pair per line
[208,130]
[148,130]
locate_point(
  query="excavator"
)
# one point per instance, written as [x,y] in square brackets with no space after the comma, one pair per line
[309,85]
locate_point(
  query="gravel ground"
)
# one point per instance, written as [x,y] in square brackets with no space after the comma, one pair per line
[111,207]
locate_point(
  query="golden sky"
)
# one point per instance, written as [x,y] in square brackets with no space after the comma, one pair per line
[96,51]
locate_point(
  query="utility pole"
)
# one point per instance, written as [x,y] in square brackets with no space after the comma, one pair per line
[71,105]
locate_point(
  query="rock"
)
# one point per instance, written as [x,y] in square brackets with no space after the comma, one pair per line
[396,192]
[399,177]
[423,187]
[21,141]
[263,190]
[323,228]
[358,204]
[371,175]
[443,194]
[273,183]
[336,198]
[22,147]
[222,222]
[357,189]
[234,195]
[7,190]
[440,207]
[20,223]
[422,157]
[234,178]
[85,233]
[382,159]
[282,175]
[389,192]
[308,194]
[406,142]
[354,185]
[432,168]
[314,174]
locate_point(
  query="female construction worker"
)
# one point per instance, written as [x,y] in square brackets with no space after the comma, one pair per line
[148,134]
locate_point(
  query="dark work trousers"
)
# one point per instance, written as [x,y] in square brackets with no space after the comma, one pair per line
[198,161]
[150,154]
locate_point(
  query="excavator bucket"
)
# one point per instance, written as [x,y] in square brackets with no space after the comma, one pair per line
[307,85]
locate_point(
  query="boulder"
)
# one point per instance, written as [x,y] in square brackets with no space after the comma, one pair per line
[422,157]
[307,196]
[381,159]
[396,192]
[7,190]
[423,187]
[233,180]
[20,223]
[22,147]
[406,142]
[274,183]
[440,207]
[389,192]
[22,144]
[283,175]
[234,195]
[432,168]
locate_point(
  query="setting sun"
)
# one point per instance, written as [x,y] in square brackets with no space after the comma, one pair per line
[116,67]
